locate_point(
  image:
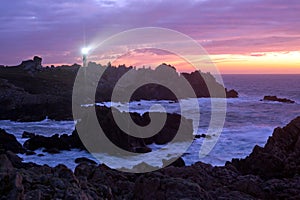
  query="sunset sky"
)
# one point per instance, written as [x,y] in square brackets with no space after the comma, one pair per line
[241,36]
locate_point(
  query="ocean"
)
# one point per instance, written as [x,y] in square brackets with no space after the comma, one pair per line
[249,121]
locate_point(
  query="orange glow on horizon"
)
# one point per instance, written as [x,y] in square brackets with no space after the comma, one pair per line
[259,63]
[252,63]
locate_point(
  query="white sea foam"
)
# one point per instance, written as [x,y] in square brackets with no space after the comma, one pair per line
[249,121]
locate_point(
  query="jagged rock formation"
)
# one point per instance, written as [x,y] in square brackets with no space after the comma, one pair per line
[115,134]
[271,172]
[279,158]
[10,143]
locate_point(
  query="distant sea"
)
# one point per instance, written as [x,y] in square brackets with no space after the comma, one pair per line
[249,121]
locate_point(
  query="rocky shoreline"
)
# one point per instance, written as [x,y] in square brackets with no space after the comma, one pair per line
[30,92]
[269,172]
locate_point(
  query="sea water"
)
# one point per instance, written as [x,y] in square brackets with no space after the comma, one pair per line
[248,121]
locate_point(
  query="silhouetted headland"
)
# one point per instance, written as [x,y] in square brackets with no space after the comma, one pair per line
[30,92]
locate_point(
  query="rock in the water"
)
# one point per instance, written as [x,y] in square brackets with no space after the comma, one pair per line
[142,149]
[38,141]
[30,153]
[136,144]
[27,135]
[54,143]
[200,136]
[275,98]
[85,160]
[232,94]
[52,150]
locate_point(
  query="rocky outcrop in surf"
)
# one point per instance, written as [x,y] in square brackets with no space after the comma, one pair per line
[117,136]
[275,98]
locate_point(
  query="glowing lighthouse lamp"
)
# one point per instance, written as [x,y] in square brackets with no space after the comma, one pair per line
[84,52]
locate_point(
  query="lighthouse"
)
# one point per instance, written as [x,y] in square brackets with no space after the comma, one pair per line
[85,52]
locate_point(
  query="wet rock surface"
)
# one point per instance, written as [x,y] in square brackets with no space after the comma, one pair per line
[56,143]
[278,158]
[9,142]
[271,172]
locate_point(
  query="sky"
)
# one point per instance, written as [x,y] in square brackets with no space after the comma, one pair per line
[240,36]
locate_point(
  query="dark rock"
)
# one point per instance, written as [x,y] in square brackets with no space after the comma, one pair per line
[15,160]
[54,143]
[33,195]
[38,141]
[142,149]
[83,169]
[27,135]
[249,184]
[32,65]
[177,163]
[30,153]
[169,131]
[278,158]
[141,167]
[163,187]
[8,142]
[21,109]
[15,183]
[52,150]
[271,172]
[131,143]
[85,160]
[5,164]
[63,172]
[232,94]
[200,136]
[73,140]
[49,90]
[235,195]
[57,183]
[275,98]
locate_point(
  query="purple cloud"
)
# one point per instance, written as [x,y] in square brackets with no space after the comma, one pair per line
[56,30]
